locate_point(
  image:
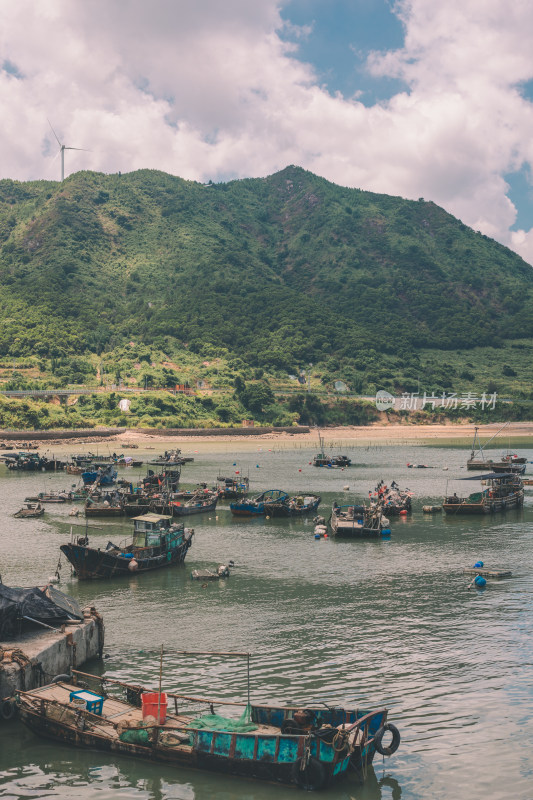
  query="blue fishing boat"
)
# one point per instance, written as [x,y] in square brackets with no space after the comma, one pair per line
[312,747]
[103,476]
[260,505]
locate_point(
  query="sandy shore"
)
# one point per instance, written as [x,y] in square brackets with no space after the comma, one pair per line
[350,435]
[515,434]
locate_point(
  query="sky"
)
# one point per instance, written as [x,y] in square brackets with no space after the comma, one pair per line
[414,98]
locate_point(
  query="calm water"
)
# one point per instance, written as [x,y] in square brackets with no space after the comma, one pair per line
[359,622]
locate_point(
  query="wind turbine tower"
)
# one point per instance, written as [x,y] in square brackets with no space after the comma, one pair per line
[62,148]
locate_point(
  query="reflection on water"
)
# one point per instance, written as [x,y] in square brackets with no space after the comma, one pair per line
[365,623]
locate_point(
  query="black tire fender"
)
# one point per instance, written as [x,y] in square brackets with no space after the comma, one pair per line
[312,777]
[8,709]
[61,679]
[395,743]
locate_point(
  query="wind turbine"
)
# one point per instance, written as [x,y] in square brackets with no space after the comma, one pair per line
[62,148]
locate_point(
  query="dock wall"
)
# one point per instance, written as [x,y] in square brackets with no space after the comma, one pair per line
[36,657]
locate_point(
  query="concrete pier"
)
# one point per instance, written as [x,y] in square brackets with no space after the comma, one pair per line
[37,656]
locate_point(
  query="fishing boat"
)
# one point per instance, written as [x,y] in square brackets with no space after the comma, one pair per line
[171,457]
[233,488]
[260,505]
[49,497]
[508,462]
[359,521]
[313,747]
[394,500]
[32,462]
[166,480]
[135,503]
[500,492]
[30,511]
[105,475]
[104,505]
[299,506]
[157,542]
[202,500]
[333,462]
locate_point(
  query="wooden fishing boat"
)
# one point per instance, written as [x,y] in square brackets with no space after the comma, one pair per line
[30,511]
[167,480]
[393,500]
[135,503]
[233,488]
[260,505]
[500,492]
[333,462]
[508,462]
[311,747]
[104,505]
[299,506]
[157,542]
[358,521]
[200,502]
[49,497]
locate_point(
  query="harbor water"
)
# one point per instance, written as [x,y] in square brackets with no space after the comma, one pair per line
[365,623]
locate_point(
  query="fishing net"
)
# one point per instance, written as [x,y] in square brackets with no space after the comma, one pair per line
[214,722]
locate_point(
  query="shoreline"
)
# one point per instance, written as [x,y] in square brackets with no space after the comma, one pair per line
[350,435]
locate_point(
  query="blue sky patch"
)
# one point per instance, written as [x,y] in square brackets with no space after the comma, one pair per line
[343,33]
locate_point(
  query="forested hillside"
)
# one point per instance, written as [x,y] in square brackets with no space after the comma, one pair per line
[117,275]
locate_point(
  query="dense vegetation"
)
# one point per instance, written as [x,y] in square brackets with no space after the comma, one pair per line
[147,279]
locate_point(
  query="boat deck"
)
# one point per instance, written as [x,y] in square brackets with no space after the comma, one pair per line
[115,710]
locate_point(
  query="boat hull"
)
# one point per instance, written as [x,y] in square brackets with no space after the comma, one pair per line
[90,563]
[489,506]
[271,756]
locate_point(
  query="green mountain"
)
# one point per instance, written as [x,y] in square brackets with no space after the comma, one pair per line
[281,272]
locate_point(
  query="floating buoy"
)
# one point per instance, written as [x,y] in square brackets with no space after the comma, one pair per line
[216,517]
[403,513]
[326,536]
[480,581]
[317,536]
[299,470]
[386,532]
[133,565]
[346,488]
[478,565]
[267,517]
[310,462]
[234,463]
[257,466]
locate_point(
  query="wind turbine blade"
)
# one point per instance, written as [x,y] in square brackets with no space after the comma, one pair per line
[78,148]
[53,131]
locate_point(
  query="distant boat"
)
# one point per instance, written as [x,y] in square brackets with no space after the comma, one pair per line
[299,506]
[358,521]
[509,462]
[103,476]
[393,500]
[503,491]
[260,505]
[30,511]
[157,542]
[200,502]
[233,488]
[333,462]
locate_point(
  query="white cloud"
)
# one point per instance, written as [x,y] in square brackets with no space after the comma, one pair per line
[210,90]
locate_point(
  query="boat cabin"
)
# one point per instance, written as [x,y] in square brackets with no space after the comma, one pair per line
[156,530]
